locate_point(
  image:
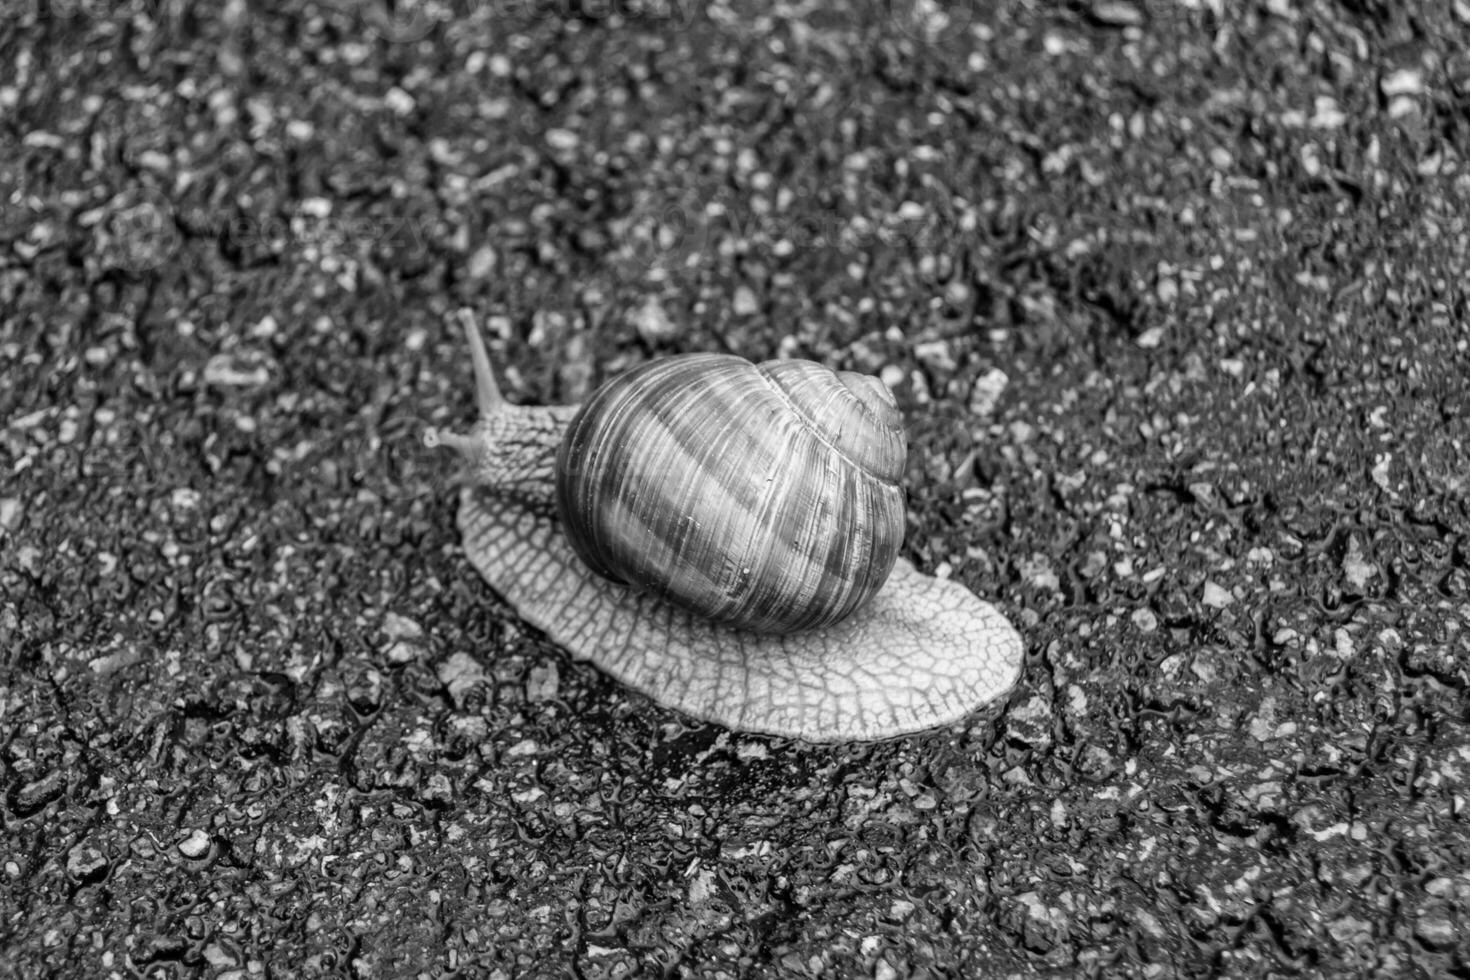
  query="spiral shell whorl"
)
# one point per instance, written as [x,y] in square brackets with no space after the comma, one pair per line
[765,496]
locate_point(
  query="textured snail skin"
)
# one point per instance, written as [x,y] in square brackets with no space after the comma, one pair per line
[761,495]
[924,652]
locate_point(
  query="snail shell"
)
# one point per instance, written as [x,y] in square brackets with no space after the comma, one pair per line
[920,653]
[764,496]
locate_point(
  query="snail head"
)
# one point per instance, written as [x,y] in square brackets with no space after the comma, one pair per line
[510,449]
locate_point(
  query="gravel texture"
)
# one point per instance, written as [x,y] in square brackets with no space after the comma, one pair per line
[1174,297]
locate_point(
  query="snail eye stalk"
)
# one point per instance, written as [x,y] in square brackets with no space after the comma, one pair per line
[487,393]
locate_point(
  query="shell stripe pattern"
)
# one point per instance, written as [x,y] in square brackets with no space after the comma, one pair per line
[708,482]
[925,652]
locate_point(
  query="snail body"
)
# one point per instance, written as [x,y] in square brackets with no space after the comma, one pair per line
[723,537]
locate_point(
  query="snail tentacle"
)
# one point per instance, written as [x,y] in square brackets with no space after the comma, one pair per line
[487,392]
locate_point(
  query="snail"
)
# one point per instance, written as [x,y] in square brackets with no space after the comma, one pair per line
[723,537]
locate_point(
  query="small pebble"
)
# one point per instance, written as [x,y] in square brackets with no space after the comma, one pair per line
[28,559]
[196,845]
[987,391]
[1327,114]
[544,683]
[1037,571]
[482,264]
[744,302]
[85,860]
[562,140]
[218,957]
[10,511]
[184,498]
[399,101]
[1405,81]
[1436,932]
[398,627]
[1442,887]
[1031,722]
[1116,13]
[404,638]
[233,370]
[1403,105]
[1350,929]
[1217,597]
[1379,473]
[459,675]
[1355,568]
[935,355]
[653,323]
[1150,338]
